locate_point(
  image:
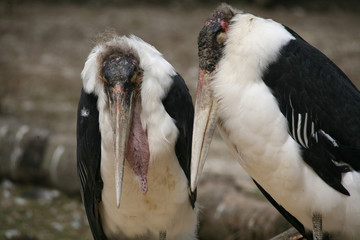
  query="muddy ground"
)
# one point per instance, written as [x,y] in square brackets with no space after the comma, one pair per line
[42,52]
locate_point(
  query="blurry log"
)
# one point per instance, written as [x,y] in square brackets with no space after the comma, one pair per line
[229,212]
[35,155]
[290,234]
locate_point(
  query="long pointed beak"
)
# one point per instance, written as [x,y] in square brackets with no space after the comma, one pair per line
[204,126]
[121,107]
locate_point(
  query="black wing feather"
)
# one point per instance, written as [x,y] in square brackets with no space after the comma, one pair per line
[178,104]
[317,98]
[290,218]
[88,160]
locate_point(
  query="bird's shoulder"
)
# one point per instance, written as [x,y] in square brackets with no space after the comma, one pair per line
[88,160]
[304,80]
[88,137]
[178,104]
[322,107]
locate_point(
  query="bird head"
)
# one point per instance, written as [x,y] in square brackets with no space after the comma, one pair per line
[212,37]
[211,42]
[130,78]
[122,77]
[113,73]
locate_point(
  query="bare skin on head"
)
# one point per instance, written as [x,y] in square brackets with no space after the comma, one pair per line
[122,79]
[212,38]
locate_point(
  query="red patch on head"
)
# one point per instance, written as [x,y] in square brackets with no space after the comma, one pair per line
[224,24]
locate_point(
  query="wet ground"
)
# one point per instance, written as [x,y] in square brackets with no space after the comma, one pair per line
[34,213]
[42,52]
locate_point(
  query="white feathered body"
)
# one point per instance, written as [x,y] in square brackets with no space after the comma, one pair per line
[262,143]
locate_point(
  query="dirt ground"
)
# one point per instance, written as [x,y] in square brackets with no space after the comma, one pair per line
[42,52]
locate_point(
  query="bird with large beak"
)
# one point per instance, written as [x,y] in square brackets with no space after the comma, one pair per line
[288,114]
[134,132]
[122,82]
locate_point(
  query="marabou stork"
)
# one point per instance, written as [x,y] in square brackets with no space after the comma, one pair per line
[289,115]
[134,132]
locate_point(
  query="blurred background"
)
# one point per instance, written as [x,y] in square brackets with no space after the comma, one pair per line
[43,47]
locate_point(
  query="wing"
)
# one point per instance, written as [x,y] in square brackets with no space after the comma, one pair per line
[322,107]
[290,218]
[178,104]
[88,160]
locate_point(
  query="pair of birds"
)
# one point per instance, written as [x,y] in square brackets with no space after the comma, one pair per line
[289,115]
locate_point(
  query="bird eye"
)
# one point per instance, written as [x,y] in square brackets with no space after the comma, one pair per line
[133,78]
[221,37]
